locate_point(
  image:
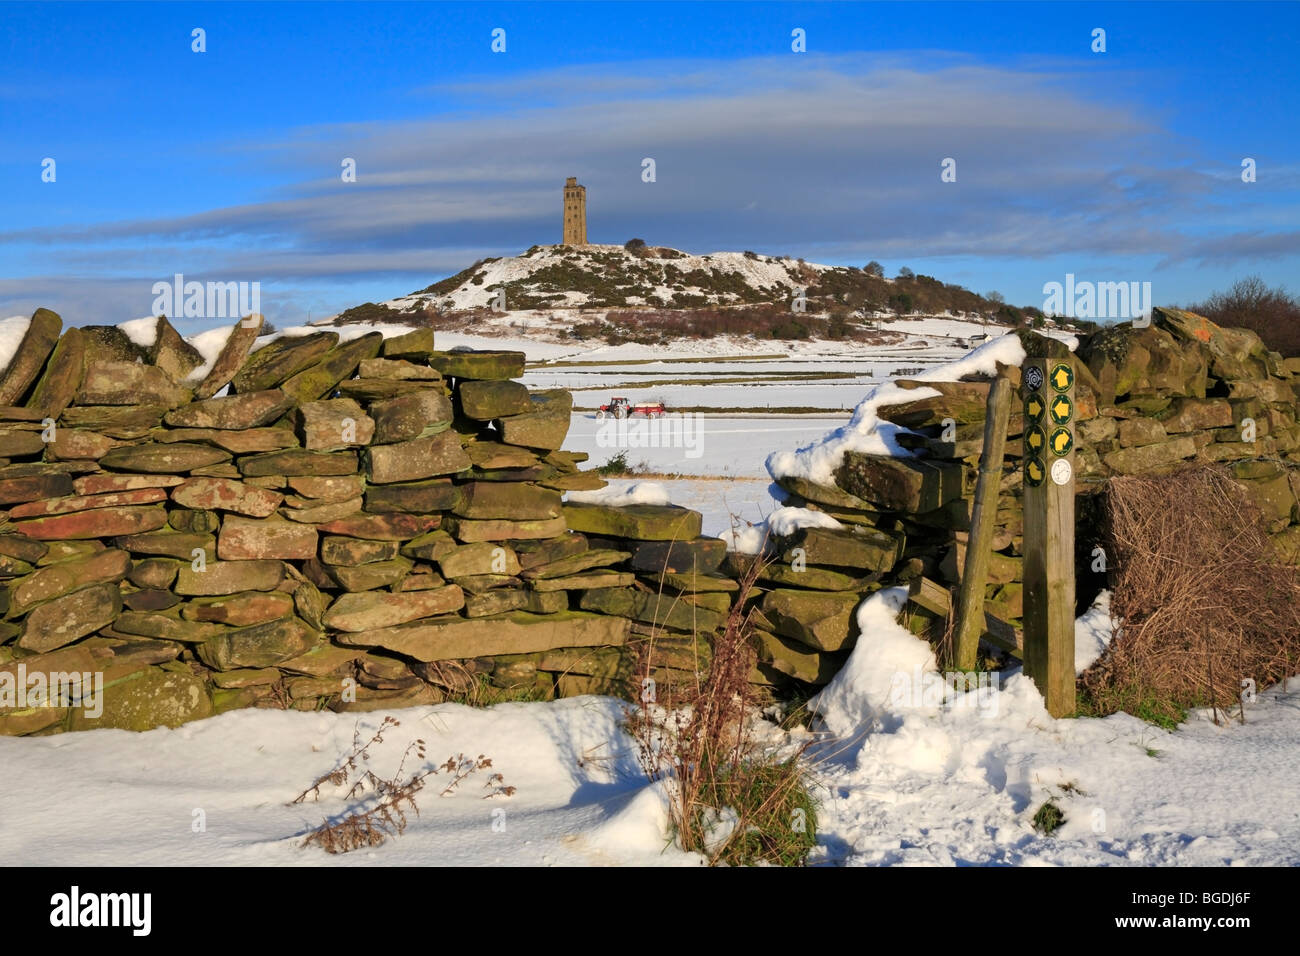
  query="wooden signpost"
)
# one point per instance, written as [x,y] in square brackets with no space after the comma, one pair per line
[1047,385]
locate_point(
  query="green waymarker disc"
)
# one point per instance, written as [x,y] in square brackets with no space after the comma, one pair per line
[1062,377]
[1062,441]
[1062,409]
[1035,471]
[1035,440]
[1034,408]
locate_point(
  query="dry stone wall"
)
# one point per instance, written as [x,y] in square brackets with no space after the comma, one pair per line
[1148,401]
[378,524]
[354,525]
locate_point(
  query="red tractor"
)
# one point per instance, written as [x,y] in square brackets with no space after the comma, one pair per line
[620,407]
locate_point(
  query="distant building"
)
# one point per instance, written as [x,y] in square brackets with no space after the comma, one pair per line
[575,213]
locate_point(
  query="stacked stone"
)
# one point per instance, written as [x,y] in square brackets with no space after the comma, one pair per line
[359,524]
[1147,401]
[375,523]
[669,588]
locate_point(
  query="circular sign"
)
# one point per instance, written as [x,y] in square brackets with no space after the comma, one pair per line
[1035,440]
[1034,408]
[1033,378]
[1061,471]
[1061,441]
[1035,472]
[1062,409]
[1062,377]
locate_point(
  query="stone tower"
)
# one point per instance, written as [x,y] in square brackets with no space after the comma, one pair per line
[575,213]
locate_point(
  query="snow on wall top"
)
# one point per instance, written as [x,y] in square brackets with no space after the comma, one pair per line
[12,331]
[866,433]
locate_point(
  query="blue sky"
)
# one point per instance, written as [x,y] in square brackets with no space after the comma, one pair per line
[225,165]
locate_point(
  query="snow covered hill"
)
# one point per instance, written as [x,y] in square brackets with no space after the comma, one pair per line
[549,290]
[612,276]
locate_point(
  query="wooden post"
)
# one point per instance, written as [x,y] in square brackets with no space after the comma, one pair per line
[1048,388]
[984,516]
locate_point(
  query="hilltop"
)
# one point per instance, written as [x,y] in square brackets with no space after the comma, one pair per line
[653,293]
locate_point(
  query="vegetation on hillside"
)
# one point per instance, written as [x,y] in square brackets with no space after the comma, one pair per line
[1273,314]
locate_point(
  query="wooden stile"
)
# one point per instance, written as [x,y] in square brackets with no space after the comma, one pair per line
[970,599]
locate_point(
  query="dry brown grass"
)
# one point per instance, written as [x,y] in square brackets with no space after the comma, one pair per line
[700,739]
[1205,603]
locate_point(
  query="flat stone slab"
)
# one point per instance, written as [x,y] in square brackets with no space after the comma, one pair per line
[102,484]
[299,461]
[34,488]
[170,544]
[100,523]
[506,499]
[103,567]
[247,410]
[75,503]
[699,554]
[129,383]
[225,494]
[408,417]
[63,375]
[273,363]
[71,617]
[172,459]
[262,645]
[240,610]
[419,497]
[660,610]
[368,610]
[482,557]
[334,366]
[127,422]
[516,633]
[336,488]
[353,552]
[822,620]
[333,424]
[479,364]
[574,563]
[641,522]
[436,455]
[248,539]
[229,577]
[866,549]
[469,530]
[416,344]
[383,527]
[911,485]
[486,400]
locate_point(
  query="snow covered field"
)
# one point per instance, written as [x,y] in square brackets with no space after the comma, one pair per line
[900,780]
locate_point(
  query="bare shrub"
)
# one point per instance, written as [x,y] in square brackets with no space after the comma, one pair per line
[1204,601]
[730,799]
[386,800]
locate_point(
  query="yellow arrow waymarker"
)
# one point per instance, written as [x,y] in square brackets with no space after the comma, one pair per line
[1034,472]
[1034,408]
[1035,439]
[1062,377]
[1062,441]
[1061,409]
